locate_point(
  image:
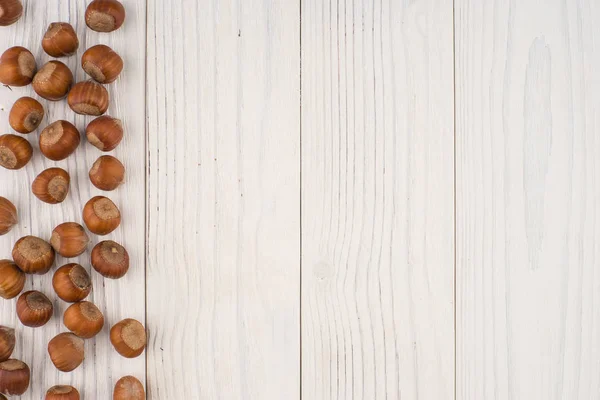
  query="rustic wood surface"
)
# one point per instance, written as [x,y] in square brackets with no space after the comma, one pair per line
[342,199]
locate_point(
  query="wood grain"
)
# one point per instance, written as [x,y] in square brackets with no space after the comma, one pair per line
[117,299]
[528,314]
[377,200]
[224,192]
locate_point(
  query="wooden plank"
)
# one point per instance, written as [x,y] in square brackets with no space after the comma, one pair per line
[117,299]
[527,199]
[224,193]
[377,200]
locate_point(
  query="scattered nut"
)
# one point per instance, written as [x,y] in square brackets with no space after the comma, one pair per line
[17,67]
[88,98]
[60,40]
[101,215]
[69,239]
[7,342]
[110,259]
[72,283]
[102,63]
[14,377]
[26,115]
[84,319]
[107,173]
[34,309]
[59,140]
[33,255]
[53,81]
[52,185]
[129,338]
[104,15]
[15,152]
[12,280]
[129,388]
[62,392]
[66,351]
[105,133]
[8,216]
[10,11]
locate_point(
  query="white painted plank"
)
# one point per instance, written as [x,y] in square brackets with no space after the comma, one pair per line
[377,190]
[224,193]
[528,314]
[117,299]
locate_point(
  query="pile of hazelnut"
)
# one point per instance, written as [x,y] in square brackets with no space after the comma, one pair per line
[34,255]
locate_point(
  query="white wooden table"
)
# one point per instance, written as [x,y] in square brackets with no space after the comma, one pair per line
[344,199]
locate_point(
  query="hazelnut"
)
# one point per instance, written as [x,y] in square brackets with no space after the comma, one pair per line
[69,239]
[107,173]
[102,63]
[12,280]
[129,388]
[59,140]
[129,338]
[72,283]
[105,133]
[15,152]
[88,98]
[14,377]
[66,351]
[101,215]
[8,216]
[10,11]
[53,81]
[62,392]
[34,309]
[17,67]
[7,342]
[33,255]
[104,15]
[52,185]
[60,40]
[110,259]
[26,115]
[84,319]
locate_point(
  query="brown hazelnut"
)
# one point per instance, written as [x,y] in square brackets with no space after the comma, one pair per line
[53,81]
[10,11]
[69,239]
[7,342]
[60,40]
[101,215]
[88,98]
[110,259]
[17,67]
[8,216]
[84,319]
[34,309]
[129,338]
[26,115]
[107,173]
[72,283]
[52,185]
[62,392]
[66,351]
[15,152]
[33,255]
[105,133]
[102,63]
[59,140]
[12,279]
[104,15]
[14,377]
[129,388]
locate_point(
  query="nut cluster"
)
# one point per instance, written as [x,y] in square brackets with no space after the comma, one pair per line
[59,139]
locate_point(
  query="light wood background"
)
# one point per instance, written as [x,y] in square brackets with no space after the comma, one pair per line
[349,199]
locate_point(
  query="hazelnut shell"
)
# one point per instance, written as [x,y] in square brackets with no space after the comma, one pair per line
[105,133]
[52,185]
[88,98]
[15,152]
[60,40]
[129,388]
[7,342]
[33,255]
[104,15]
[69,239]
[66,351]
[84,319]
[102,64]
[12,279]
[53,81]
[34,309]
[62,392]
[101,215]
[107,173]
[110,259]
[26,115]
[72,283]
[17,67]
[128,338]
[14,377]
[59,140]
[10,11]
[8,216]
